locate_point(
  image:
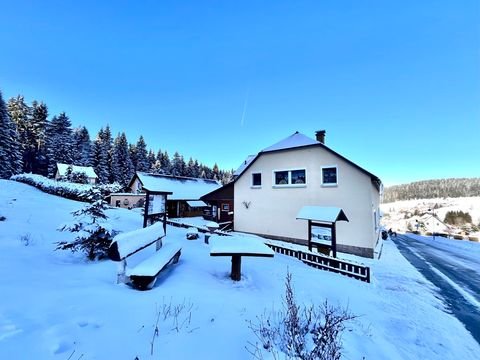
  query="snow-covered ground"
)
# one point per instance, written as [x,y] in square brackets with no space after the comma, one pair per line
[54,303]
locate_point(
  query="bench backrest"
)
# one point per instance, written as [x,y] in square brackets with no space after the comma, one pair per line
[128,243]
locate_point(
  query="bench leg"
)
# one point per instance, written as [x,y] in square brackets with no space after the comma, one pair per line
[121,271]
[236,274]
[177,257]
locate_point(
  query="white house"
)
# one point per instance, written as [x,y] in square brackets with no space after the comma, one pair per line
[62,170]
[271,188]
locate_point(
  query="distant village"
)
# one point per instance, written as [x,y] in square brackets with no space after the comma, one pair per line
[457,218]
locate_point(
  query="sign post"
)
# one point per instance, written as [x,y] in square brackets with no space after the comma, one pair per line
[155,208]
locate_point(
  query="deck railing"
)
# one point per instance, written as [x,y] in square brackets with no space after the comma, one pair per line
[356,271]
[323,262]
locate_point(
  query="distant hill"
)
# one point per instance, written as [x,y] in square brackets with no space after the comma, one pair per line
[429,189]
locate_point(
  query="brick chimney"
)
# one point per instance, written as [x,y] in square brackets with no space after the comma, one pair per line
[320,135]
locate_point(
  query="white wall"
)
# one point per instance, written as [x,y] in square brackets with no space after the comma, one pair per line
[273,211]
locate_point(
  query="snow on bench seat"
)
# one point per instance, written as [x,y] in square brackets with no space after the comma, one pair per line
[126,244]
[143,275]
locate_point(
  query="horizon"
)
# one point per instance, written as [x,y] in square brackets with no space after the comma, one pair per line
[221,82]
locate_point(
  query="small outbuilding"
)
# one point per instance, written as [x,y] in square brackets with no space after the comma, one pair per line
[220,203]
[186,191]
[65,170]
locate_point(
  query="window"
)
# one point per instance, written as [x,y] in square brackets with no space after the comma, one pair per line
[256,179]
[225,207]
[281,177]
[290,177]
[329,176]
[298,176]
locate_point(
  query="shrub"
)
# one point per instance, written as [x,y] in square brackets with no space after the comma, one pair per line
[300,332]
[64,189]
[94,235]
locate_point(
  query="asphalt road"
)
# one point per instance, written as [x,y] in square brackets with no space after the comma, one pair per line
[457,276]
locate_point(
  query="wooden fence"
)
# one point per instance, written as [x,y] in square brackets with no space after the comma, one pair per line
[343,267]
[322,262]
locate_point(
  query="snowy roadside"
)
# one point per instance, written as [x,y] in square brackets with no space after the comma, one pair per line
[59,304]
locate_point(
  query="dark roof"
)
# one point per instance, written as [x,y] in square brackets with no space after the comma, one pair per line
[183,188]
[300,141]
[223,193]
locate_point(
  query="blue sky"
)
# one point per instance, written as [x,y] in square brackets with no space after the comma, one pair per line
[396,84]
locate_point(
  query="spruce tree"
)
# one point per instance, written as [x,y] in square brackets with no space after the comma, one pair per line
[59,143]
[100,158]
[82,146]
[178,165]
[108,149]
[122,165]
[132,150]
[20,113]
[151,159]
[94,235]
[141,156]
[166,165]
[190,169]
[10,154]
[39,125]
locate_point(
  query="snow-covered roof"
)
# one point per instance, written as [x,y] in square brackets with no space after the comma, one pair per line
[298,140]
[321,214]
[244,164]
[293,141]
[183,188]
[196,203]
[88,170]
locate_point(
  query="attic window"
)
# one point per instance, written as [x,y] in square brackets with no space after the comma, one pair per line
[295,177]
[329,175]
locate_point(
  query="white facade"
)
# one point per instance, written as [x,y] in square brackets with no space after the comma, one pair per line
[271,209]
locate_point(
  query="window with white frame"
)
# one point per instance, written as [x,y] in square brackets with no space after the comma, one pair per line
[257,179]
[329,176]
[290,177]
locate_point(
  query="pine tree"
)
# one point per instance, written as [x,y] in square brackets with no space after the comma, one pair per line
[39,124]
[141,156]
[166,164]
[20,114]
[59,143]
[122,165]
[178,165]
[10,154]
[196,169]
[216,174]
[132,150]
[94,235]
[189,170]
[151,159]
[100,158]
[82,146]
[107,142]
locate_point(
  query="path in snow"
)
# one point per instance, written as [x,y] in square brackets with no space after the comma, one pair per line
[457,276]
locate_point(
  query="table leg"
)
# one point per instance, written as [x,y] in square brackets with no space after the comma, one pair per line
[236,267]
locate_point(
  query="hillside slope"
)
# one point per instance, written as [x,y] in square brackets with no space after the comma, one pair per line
[56,305]
[430,189]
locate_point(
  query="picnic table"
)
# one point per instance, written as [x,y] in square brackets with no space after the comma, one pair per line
[236,247]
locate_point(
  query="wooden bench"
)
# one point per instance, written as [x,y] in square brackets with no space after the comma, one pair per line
[144,275]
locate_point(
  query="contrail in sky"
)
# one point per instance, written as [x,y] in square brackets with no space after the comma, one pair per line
[242,122]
